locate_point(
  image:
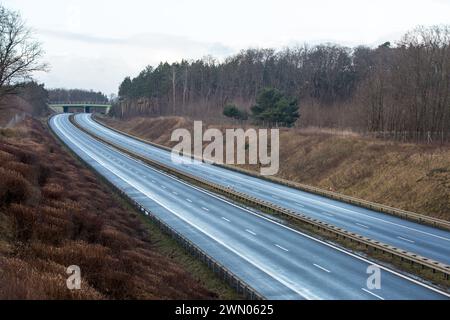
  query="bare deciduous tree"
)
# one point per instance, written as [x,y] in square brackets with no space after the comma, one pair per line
[399,89]
[20,54]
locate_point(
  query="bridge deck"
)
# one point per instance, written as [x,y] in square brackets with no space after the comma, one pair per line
[86,106]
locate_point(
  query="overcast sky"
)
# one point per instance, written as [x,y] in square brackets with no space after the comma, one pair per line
[94,44]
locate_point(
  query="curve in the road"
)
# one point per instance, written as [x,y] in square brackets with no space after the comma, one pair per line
[424,240]
[277,261]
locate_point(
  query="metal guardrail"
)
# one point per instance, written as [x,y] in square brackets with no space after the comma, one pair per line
[100,103]
[220,270]
[407,215]
[337,233]
[404,214]
[237,283]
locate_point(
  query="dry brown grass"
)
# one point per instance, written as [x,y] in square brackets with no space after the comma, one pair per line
[407,176]
[10,107]
[54,213]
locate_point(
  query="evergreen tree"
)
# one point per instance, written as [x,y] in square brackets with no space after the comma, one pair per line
[273,107]
[231,111]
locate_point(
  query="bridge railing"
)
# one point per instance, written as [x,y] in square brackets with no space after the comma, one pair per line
[103,103]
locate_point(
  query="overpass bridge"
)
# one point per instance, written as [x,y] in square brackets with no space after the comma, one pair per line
[86,107]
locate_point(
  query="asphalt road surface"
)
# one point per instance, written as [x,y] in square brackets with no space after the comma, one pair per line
[279,262]
[414,237]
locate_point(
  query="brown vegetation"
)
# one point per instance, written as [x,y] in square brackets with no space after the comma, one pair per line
[396,89]
[407,176]
[54,213]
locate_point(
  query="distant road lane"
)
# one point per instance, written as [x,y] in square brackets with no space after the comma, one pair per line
[279,262]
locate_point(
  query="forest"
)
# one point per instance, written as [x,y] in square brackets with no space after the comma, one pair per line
[400,88]
[76,95]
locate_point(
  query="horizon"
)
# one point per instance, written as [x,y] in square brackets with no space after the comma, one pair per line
[93,52]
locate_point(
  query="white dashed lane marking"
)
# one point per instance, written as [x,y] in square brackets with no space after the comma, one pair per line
[404,239]
[322,268]
[282,248]
[328,214]
[375,295]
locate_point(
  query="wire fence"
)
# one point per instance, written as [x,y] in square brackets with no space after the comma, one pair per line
[423,137]
[427,137]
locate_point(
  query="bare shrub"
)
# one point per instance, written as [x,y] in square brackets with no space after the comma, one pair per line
[53,191]
[74,222]
[24,221]
[14,188]
[22,280]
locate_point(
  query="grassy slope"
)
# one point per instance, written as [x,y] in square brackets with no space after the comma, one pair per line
[406,176]
[55,213]
[11,106]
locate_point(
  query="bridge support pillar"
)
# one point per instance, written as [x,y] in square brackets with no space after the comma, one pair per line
[65,109]
[87,109]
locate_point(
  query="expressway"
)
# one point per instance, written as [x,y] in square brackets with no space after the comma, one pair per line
[424,240]
[279,262]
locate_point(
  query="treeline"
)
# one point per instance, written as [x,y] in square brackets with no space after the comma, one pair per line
[35,94]
[398,88]
[76,95]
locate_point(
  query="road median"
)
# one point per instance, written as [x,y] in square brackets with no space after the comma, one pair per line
[427,268]
[403,214]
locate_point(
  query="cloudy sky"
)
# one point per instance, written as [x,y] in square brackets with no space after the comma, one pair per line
[94,44]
